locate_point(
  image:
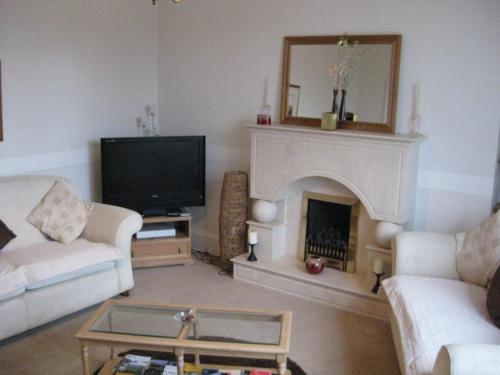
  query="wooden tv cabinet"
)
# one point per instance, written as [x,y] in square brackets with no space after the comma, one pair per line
[165,251]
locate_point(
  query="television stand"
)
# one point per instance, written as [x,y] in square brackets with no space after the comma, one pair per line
[164,251]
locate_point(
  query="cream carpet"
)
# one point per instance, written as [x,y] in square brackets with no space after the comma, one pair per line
[325,340]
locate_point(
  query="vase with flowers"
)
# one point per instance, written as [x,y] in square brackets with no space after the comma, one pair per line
[329,119]
[349,55]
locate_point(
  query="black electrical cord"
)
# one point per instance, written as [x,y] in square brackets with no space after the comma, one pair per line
[214,260]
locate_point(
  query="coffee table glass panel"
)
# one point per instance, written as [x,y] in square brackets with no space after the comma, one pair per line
[139,321]
[223,326]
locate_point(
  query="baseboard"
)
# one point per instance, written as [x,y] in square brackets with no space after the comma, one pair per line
[205,241]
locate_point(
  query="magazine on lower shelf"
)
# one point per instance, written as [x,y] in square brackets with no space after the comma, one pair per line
[143,365]
[196,370]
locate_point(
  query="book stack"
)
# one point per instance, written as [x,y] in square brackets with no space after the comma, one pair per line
[143,365]
[233,372]
[197,370]
[132,364]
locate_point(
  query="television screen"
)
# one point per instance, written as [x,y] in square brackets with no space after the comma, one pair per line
[153,175]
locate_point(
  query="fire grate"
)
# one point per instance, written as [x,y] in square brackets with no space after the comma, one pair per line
[329,229]
[329,243]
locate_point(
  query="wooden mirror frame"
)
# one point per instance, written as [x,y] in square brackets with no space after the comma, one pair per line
[394,40]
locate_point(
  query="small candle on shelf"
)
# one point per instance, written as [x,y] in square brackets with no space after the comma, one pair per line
[264,117]
[378,266]
[252,237]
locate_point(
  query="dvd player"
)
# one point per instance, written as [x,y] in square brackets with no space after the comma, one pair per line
[156,230]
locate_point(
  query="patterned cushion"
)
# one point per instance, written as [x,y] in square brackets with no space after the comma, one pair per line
[61,215]
[493,298]
[6,235]
[479,256]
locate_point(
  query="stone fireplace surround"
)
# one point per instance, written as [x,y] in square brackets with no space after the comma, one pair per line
[378,169]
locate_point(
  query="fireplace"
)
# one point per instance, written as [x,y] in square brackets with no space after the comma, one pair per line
[329,229]
[379,170]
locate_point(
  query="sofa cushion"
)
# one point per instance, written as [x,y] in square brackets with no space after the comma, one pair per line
[72,275]
[19,194]
[6,235]
[12,281]
[49,260]
[61,215]
[493,298]
[431,312]
[479,256]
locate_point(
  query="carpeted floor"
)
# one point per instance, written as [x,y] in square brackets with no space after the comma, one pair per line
[325,341]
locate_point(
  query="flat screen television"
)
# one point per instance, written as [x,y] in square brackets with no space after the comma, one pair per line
[153,175]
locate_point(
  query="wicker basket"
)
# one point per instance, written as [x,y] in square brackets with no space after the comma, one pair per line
[232,217]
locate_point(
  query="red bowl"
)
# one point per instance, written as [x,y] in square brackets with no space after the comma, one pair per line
[315,265]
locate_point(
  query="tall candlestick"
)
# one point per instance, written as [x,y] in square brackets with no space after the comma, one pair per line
[252,241]
[378,270]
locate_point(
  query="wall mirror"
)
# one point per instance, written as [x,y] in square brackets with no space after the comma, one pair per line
[363,69]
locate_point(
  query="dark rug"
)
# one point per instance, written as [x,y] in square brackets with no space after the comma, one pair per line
[294,368]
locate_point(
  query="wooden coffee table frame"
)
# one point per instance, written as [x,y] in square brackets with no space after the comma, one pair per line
[181,345]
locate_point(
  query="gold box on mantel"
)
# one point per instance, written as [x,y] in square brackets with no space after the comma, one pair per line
[329,121]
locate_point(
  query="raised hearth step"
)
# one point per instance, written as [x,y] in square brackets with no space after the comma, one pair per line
[347,291]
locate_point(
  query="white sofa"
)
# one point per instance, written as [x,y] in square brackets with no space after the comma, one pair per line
[42,280]
[440,324]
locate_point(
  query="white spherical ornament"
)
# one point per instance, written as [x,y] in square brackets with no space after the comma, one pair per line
[385,231]
[264,211]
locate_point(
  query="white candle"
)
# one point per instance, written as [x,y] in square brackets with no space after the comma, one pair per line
[378,265]
[268,91]
[417,98]
[252,237]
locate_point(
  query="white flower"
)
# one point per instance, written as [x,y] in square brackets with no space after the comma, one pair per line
[335,73]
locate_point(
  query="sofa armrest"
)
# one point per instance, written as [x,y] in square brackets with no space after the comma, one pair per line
[112,225]
[468,359]
[115,226]
[425,254]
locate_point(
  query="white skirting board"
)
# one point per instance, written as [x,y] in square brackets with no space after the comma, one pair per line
[205,241]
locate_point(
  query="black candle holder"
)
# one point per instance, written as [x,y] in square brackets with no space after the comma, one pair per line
[252,257]
[377,283]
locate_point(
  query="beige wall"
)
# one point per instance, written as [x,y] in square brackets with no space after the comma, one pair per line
[215,56]
[78,70]
[73,71]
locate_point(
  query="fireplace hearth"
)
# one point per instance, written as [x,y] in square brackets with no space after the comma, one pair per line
[329,229]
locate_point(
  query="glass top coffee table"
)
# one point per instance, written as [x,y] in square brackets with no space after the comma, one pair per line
[188,329]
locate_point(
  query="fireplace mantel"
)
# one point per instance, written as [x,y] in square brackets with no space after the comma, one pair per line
[380,169]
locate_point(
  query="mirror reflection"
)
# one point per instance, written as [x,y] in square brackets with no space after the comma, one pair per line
[315,72]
